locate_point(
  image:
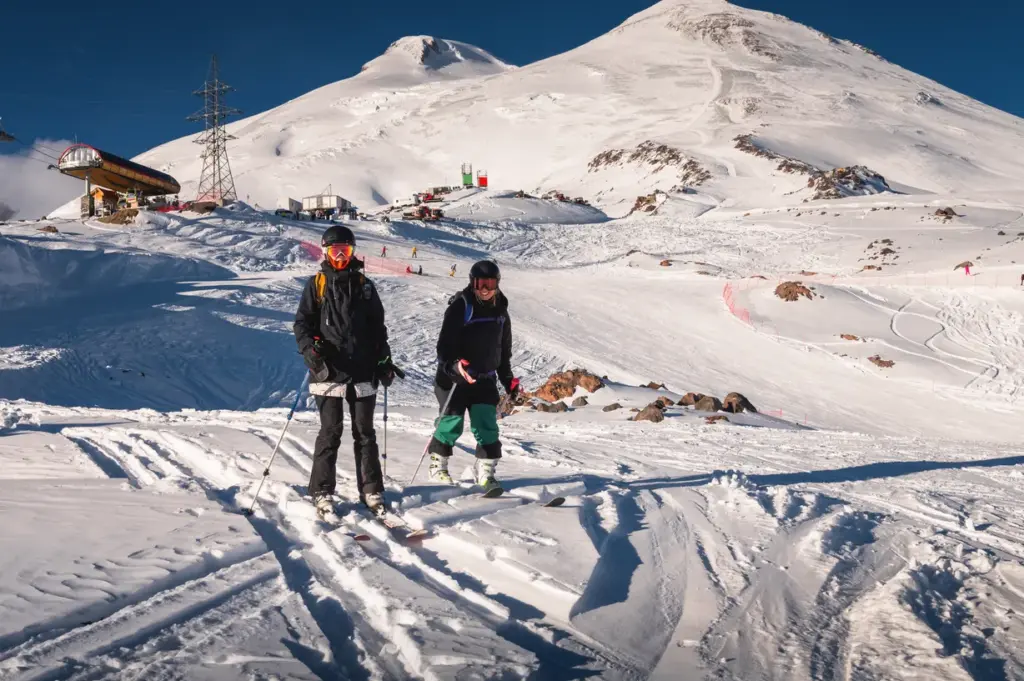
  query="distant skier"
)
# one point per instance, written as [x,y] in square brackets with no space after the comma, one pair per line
[414,252]
[408,269]
[420,271]
[967,269]
[1022,280]
[451,273]
[384,252]
[474,352]
[340,330]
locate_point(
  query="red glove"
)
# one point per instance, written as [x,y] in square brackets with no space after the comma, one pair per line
[461,369]
[513,388]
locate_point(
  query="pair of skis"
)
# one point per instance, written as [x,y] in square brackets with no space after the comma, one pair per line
[402,531]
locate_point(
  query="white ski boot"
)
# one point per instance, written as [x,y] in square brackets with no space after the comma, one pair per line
[375,502]
[485,476]
[439,470]
[324,504]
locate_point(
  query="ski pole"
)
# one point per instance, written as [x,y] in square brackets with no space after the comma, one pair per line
[266,469]
[424,454]
[384,457]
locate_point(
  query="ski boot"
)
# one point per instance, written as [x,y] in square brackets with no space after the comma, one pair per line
[375,502]
[439,470]
[324,504]
[485,477]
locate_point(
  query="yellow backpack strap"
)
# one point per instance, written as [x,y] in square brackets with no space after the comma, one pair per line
[320,283]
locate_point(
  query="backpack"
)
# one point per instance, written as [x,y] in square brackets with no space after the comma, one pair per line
[320,286]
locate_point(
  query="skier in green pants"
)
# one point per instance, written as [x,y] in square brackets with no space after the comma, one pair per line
[474,352]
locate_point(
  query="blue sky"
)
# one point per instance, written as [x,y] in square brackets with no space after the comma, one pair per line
[128,89]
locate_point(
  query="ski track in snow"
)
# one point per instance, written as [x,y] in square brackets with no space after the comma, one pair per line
[718,562]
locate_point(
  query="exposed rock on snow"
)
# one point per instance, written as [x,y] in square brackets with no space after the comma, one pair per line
[750,145]
[580,401]
[878,361]
[843,182]
[725,29]
[552,407]
[792,290]
[849,337]
[690,399]
[708,403]
[659,157]
[647,203]
[651,412]
[736,403]
[564,384]
[964,265]
[837,183]
[48,229]
[715,419]
[611,407]
[947,213]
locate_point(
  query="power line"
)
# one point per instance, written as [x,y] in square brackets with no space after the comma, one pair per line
[216,182]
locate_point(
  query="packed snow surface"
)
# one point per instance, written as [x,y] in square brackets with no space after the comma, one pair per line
[865,523]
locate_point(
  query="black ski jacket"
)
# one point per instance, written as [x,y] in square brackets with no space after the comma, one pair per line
[478,332]
[349,321]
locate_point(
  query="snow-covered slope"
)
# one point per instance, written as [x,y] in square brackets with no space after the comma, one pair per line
[658,103]
[865,524]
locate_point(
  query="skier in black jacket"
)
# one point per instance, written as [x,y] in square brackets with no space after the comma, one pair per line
[474,352]
[340,330]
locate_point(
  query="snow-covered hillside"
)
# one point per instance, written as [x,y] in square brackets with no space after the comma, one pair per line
[865,524]
[729,104]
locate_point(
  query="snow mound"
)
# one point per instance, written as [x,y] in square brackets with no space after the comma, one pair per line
[504,206]
[31,275]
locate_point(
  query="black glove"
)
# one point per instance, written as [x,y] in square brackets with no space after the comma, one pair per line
[317,366]
[384,372]
[513,389]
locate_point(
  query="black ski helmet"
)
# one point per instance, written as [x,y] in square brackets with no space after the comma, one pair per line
[337,234]
[484,269]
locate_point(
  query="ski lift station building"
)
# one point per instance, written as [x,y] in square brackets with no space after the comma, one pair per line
[113,172]
[329,203]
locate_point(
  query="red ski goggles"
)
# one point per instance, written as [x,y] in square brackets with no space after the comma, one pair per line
[339,254]
[485,284]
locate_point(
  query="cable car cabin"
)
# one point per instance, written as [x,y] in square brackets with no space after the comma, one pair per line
[113,172]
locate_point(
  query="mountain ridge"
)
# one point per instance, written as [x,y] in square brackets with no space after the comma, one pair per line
[692,76]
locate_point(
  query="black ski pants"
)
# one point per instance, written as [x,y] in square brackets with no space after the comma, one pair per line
[323,477]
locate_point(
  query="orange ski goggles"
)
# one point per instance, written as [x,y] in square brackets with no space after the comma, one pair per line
[339,255]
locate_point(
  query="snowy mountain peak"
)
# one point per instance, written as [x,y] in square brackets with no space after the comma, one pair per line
[427,53]
[700,98]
